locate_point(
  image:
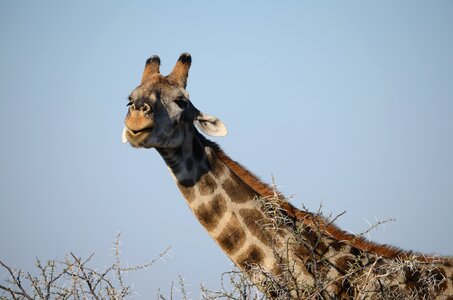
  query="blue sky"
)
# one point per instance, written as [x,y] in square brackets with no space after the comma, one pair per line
[348,104]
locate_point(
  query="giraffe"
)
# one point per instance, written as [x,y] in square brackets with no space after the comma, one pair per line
[286,252]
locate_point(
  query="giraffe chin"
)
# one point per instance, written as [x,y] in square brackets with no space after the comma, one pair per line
[136,139]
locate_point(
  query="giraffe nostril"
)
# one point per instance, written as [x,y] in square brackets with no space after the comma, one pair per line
[141,107]
[146,108]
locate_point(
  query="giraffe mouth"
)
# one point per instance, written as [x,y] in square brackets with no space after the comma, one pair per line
[137,132]
[130,135]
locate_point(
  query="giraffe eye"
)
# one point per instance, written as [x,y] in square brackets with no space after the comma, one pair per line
[181,103]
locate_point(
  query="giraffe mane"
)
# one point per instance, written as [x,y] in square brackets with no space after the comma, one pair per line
[266,191]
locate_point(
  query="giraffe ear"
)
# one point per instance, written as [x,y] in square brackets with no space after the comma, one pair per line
[210,125]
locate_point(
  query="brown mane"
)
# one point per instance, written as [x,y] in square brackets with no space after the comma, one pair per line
[266,191]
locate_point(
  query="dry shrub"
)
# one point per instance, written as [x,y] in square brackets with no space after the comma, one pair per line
[365,276]
[72,278]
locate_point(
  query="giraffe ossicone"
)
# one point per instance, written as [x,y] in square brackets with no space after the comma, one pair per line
[288,253]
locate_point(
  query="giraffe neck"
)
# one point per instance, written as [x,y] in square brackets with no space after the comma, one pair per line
[258,233]
[227,206]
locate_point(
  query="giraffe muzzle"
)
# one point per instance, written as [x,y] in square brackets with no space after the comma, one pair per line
[136,138]
[138,121]
[139,126]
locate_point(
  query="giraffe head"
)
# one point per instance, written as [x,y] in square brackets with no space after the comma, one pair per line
[160,111]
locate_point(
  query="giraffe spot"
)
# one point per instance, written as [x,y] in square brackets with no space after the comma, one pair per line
[237,190]
[302,251]
[217,168]
[439,276]
[189,164]
[315,239]
[416,279]
[321,247]
[232,237]
[345,290]
[200,171]
[310,235]
[206,185]
[186,183]
[187,191]
[355,251]
[206,164]
[251,257]
[210,213]
[337,245]
[412,279]
[345,263]
[258,225]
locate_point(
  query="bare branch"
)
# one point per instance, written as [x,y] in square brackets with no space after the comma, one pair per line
[72,278]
